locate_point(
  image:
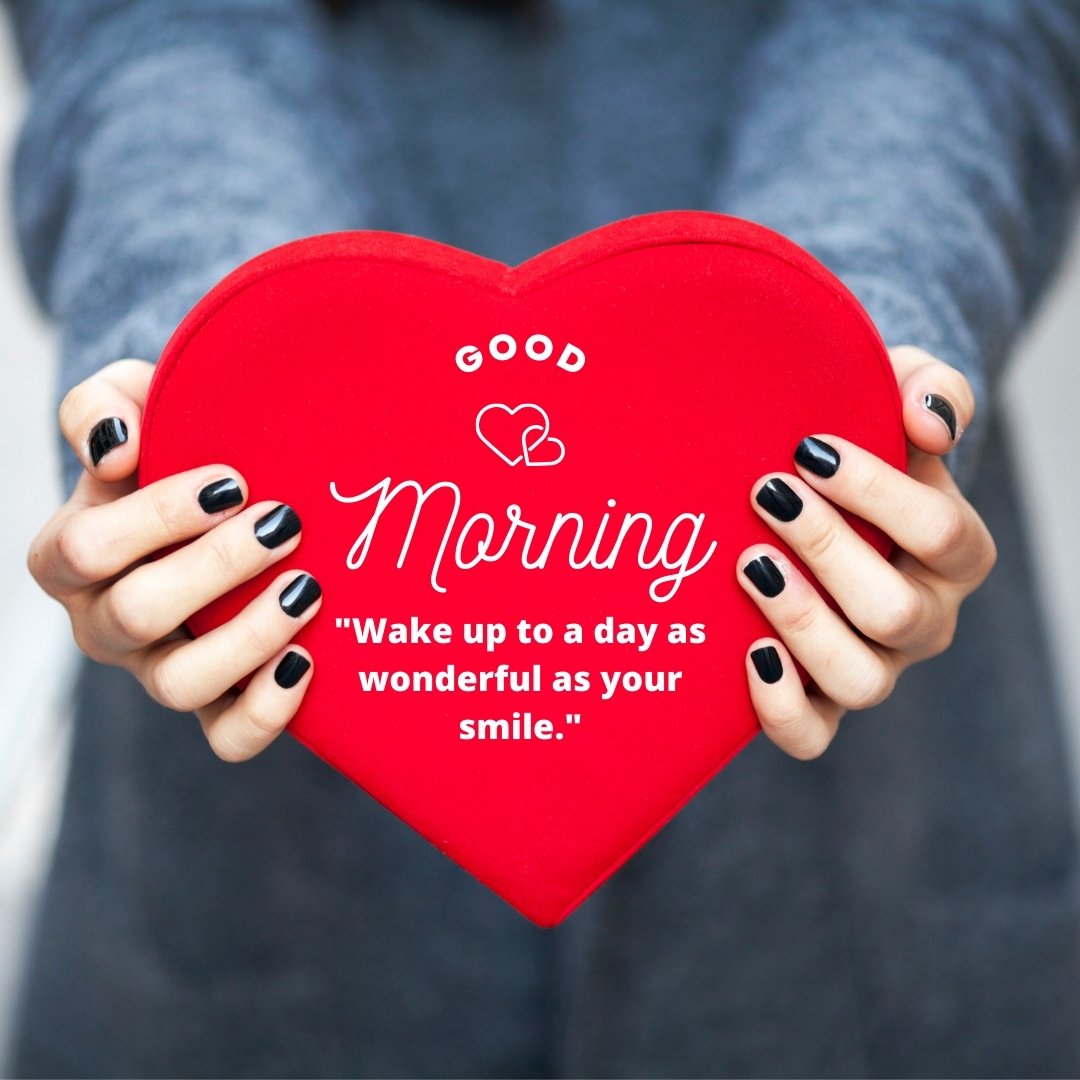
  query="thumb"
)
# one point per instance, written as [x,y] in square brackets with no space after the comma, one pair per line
[101,418]
[937,400]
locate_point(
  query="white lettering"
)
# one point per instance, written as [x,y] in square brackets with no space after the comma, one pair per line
[678,551]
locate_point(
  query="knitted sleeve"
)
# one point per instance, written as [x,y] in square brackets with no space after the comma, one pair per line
[926,152]
[164,144]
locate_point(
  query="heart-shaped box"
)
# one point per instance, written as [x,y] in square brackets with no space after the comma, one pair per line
[553,462]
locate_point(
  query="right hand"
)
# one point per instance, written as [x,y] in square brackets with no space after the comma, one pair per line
[93,556]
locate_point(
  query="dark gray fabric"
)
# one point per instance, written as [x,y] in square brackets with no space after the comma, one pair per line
[264,921]
[906,906]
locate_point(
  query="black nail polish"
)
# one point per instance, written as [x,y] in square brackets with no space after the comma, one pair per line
[221,495]
[106,435]
[779,500]
[765,575]
[273,529]
[299,595]
[942,409]
[767,661]
[817,457]
[291,670]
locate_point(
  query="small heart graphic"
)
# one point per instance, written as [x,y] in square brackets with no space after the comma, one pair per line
[536,668]
[538,450]
[505,429]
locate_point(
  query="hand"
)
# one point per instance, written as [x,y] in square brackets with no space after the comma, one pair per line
[898,611]
[93,556]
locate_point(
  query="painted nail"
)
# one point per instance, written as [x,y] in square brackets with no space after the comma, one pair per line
[221,495]
[767,661]
[273,529]
[106,435]
[779,500]
[765,575]
[291,670]
[299,595]
[817,457]
[943,410]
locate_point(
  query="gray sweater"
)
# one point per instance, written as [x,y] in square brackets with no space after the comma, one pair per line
[907,906]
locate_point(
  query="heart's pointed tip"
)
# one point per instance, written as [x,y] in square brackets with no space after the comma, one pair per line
[545,916]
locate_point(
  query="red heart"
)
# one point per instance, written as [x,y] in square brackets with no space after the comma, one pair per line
[676,357]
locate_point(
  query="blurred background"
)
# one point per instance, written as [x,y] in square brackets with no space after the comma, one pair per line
[37,657]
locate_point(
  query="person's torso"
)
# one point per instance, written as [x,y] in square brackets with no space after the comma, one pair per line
[508,129]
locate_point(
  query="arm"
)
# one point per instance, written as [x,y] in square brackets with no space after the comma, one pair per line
[166,143]
[928,156]
[927,152]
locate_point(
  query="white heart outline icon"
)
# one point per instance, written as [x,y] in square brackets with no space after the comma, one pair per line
[525,447]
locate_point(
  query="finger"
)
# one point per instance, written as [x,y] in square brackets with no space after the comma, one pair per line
[101,418]
[240,726]
[95,543]
[155,598]
[187,675]
[938,401]
[886,605]
[936,526]
[847,669]
[799,725]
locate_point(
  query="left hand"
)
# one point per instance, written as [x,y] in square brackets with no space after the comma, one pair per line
[899,610]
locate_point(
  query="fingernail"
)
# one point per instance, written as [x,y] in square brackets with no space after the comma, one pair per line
[221,495]
[817,457]
[291,670]
[779,500]
[299,595]
[273,529]
[943,410]
[106,435]
[767,661]
[765,575]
